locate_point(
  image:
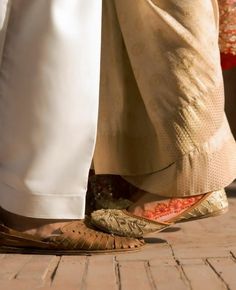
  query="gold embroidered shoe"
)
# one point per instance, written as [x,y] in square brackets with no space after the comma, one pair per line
[123,223]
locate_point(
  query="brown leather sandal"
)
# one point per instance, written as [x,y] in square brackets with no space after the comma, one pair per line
[76,238]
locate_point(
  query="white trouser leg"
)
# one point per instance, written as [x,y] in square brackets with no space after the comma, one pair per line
[49,90]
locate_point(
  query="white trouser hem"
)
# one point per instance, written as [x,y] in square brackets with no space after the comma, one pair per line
[43,206]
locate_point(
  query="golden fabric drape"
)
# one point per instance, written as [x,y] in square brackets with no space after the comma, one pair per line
[162,123]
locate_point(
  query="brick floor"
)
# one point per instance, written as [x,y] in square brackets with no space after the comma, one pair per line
[198,255]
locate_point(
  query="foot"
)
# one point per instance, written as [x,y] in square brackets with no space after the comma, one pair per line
[159,208]
[40,228]
[73,237]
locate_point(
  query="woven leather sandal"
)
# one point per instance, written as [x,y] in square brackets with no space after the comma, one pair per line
[123,223]
[76,238]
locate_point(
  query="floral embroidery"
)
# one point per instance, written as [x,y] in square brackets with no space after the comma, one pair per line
[172,207]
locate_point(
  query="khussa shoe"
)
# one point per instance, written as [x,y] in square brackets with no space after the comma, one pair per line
[76,238]
[123,223]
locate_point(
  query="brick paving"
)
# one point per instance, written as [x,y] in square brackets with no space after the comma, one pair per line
[200,255]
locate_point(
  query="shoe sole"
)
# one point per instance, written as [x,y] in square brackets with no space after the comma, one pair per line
[29,251]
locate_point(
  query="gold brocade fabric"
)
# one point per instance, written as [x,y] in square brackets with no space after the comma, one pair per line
[162,124]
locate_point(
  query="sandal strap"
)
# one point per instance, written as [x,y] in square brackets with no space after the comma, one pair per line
[14,238]
[80,235]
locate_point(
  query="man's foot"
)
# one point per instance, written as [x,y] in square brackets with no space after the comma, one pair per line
[40,228]
[74,237]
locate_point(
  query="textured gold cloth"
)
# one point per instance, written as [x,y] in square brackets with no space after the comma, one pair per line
[162,123]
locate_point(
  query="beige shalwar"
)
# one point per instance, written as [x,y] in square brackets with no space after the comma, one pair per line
[49,92]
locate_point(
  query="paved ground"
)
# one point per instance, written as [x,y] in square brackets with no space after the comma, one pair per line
[197,255]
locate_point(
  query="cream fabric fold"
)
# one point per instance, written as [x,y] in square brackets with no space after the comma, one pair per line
[49,91]
[162,123]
